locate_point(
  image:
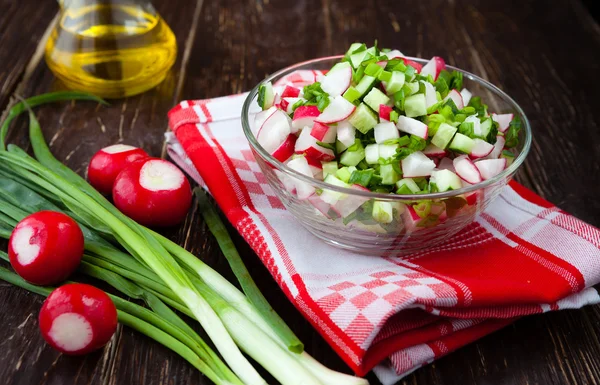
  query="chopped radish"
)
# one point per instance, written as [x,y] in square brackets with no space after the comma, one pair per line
[417,164]
[350,203]
[433,67]
[466,96]
[307,144]
[322,206]
[430,95]
[456,98]
[287,104]
[286,149]
[476,124]
[413,64]
[481,149]
[303,189]
[382,63]
[386,131]
[433,150]
[260,118]
[412,126]
[346,133]
[446,164]
[466,170]
[323,132]
[503,121]
[304,116]
[338,109]
[107,163]
[393,54]
[316,167]
[78,319]
[274,131]
[45,247]
[338,79]
[290,92]
[498,147]
[489,168]
[384,112]
[153,192]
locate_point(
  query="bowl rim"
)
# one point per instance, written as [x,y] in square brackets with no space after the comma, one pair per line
[386,196]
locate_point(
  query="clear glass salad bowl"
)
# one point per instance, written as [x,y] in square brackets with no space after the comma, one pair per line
[438,216]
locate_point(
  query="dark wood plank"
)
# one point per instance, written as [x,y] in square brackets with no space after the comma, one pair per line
[228,47]
[19,40]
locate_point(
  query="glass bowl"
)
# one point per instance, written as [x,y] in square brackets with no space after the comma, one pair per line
[418,221]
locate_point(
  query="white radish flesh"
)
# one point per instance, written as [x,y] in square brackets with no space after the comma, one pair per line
[417,164]
[489,168]
[466,170]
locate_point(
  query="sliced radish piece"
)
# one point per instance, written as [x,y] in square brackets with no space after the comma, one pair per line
[321,206]
[386,131]
[323,132]
[346,133]
[290,92]
[433,150]
[385,111]
[466,170]
[45,247]
[304,116]
[456,98]
[481,149]
[433,67]
[382,63]
[78,319]
[286,149]
[338,109]
[153,192]
[394,54]
[412,126]
[489,168]
[446,164]
[417,164]
[107,163]
[466,96]
[274,131]
[316,167]
[260,118]
[498,147]
[413,64]
[350,203]
[303,189]
[307,144]
[338,79]
[503,121]
[430,95]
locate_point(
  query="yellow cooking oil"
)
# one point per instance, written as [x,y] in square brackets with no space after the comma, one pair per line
[111,49]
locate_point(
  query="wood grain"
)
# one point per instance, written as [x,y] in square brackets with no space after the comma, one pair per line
[544,56]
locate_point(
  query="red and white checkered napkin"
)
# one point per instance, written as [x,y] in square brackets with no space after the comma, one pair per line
[522,256]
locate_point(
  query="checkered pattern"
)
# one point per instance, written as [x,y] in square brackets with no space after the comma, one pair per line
[521,256]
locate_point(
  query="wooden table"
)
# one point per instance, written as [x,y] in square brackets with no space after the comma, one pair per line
[544,54]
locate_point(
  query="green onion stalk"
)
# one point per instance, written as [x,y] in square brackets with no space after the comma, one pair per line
[150,263]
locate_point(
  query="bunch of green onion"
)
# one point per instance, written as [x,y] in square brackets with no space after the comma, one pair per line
[144,265]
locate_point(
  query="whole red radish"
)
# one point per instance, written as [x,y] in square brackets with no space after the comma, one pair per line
[153,192]
[46,247]
[78,319]
[107,163]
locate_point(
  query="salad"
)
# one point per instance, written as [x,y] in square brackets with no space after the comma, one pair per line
[377,121]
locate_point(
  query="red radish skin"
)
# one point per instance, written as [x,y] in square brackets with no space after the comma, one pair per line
[432,150]
[286,150]
[413,64]
[456,98]
[107,163]
[304,116]
[290,92]
[384,112]
[46,247]
[78,319]
[153,192]
[433,67]
[323,132]
[503,121]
